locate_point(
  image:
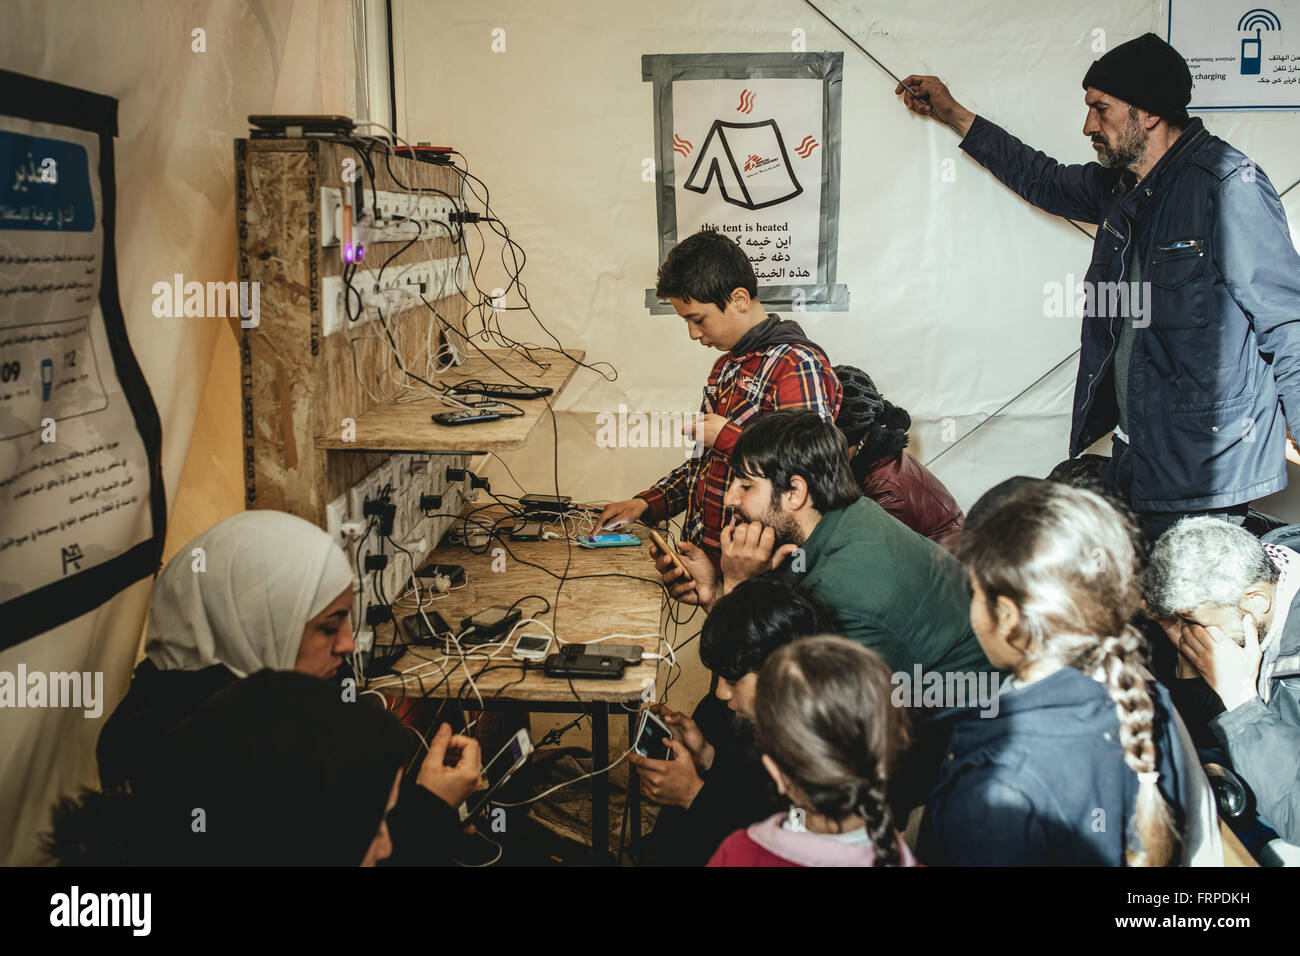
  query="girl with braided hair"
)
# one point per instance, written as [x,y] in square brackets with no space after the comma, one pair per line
[1085,761]
[830,739]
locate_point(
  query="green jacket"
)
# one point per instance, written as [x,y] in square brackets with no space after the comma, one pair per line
[893,590]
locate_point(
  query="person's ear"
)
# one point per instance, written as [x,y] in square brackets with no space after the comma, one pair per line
[797,496]
[741,300]
[1257,602]
[1148,121]
[775,773]
[1008,618]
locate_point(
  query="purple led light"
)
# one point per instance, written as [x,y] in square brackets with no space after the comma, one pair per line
[347,253]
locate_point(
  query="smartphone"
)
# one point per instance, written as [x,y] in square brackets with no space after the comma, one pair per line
[498,770]
[548,503]
[650,736]
[488,624]
[630,653]
[528,531]
[608,541]
[530,647]
[666,547]
[465,417]
[584,665]
[419,631]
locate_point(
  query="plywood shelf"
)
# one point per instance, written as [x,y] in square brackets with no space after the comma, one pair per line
[409,427]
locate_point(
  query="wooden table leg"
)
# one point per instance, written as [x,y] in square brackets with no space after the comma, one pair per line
[600,784]
[633,791]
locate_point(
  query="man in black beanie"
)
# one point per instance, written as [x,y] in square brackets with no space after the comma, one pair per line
[1191,341]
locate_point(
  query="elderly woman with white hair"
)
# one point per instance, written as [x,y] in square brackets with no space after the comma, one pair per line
[1230,604]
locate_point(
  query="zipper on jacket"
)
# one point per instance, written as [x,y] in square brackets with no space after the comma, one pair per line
[1123,268]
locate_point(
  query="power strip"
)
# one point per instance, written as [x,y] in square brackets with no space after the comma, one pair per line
[399,213]
[400,290]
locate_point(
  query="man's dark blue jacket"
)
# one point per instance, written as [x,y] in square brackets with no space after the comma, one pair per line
[1218,366]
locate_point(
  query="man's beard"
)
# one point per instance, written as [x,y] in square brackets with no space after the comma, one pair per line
[1128,150]
[787,530]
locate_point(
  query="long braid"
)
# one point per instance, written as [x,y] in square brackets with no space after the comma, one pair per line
[879,819]
[1119,659]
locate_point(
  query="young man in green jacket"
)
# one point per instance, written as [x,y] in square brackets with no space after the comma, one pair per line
[892,590]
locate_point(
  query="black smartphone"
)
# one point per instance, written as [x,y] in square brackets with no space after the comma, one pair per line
[419,632]
[528,531]
[466,417]
[584,665]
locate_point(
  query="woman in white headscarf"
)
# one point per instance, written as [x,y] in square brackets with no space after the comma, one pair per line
[261,589]
[265,590]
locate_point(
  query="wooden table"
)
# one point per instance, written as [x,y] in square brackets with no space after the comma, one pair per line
[594,602]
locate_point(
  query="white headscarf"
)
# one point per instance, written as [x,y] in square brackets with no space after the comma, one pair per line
[266,574]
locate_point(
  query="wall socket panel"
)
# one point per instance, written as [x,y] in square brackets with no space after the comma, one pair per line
[401,289]
[407,477]
[398,212]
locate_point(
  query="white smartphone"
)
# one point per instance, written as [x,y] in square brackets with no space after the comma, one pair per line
[498,770]
[650,736]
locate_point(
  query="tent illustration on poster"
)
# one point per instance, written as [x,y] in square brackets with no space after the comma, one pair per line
[763,178]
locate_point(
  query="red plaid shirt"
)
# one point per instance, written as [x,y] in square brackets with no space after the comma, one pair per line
[740,388]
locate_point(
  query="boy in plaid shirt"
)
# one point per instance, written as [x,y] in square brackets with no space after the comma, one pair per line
[768,364]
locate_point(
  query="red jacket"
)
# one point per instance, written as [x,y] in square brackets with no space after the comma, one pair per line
[911,493]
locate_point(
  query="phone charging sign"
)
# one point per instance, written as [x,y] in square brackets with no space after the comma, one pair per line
[1241,57]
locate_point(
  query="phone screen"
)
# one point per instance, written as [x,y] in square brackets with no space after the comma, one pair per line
[497,770]
[612,539]
[533,644]
[650,742]
[506,758]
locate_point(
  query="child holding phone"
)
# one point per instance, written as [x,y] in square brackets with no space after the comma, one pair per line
[767,364]
[830,738]
[1085,762]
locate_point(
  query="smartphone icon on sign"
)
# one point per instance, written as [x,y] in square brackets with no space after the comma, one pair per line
[1250,56]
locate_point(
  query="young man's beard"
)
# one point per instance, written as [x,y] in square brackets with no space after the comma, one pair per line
[784,525]
[1129,148]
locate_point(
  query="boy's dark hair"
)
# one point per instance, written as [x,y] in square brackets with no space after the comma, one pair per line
[706,267]
[799,442]
[756,618]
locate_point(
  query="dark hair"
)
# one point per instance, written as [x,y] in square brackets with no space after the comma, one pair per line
[706,267]
[822,712]
[1068,560]
[792,442]
[988,502]
[285,772]
[756,618]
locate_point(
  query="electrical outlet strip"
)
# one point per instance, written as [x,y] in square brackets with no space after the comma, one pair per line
[399,213]
[401,289]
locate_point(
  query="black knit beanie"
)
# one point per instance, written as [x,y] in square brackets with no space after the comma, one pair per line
[1147,73]
[861,405]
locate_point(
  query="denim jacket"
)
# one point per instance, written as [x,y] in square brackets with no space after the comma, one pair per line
[1216,354]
